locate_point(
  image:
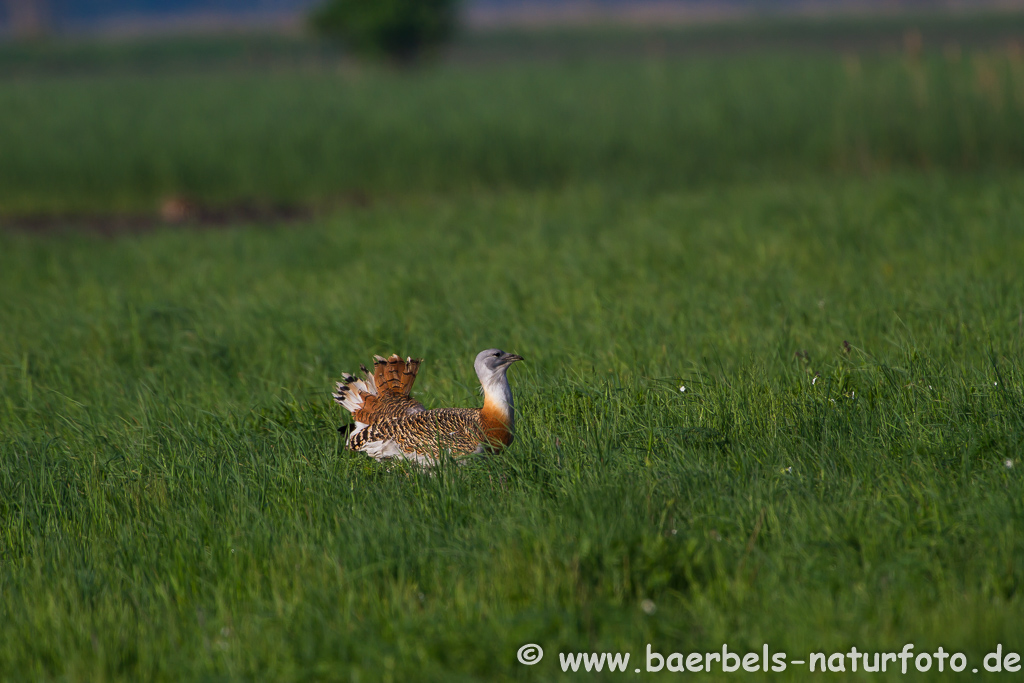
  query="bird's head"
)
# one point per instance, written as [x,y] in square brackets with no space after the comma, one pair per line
[491,364]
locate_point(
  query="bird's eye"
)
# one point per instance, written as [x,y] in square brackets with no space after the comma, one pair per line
[497,353]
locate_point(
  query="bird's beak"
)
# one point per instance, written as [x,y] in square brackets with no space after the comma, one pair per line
[512,358]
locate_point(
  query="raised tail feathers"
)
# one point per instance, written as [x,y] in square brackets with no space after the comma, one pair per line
[382,395]
[357,396]
[394,375]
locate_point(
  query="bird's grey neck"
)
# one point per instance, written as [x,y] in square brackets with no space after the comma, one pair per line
[498,392]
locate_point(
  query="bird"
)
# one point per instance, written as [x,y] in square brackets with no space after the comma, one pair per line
[391,424]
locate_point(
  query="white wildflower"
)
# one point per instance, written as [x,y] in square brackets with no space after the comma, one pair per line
[1008,463]
[648,606]
[682,389]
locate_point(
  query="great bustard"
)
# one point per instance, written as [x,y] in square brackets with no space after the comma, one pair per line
[389,423]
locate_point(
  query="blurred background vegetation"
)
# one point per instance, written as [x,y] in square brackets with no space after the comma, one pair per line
[285,119]
[400,30]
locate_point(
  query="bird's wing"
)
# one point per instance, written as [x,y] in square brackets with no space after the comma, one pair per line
[425,434]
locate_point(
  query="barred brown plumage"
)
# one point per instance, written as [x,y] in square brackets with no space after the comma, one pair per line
[453,429]
[389,423]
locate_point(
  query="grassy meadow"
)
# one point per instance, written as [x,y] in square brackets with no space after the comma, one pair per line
[824,251]
[106,137]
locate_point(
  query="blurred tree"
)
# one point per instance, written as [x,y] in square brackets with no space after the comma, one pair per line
[400,30]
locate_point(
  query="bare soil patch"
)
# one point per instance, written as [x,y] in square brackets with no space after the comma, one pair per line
[176,211]
[173,212]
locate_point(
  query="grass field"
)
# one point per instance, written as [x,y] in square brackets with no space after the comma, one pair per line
[835,280]
[99,140]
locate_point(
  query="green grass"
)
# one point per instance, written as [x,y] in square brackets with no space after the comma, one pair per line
[177,503]
[99,143]
[807,36]
[825,252]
